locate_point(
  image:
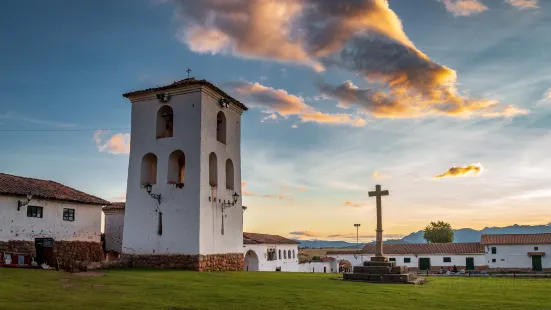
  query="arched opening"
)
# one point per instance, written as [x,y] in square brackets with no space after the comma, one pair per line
[176,167]
[165,124]
[213,170]
[229,174]
[284,254]
[345,266]
[294,256]
[289,254]
[279,255]
[149,169]
[251,261]
[221,126]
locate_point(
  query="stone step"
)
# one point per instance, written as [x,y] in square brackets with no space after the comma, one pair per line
[372,269]
[382,278]
[380,264]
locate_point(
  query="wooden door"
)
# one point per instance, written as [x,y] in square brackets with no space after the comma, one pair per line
[424,263]
[469,263]
[536,263]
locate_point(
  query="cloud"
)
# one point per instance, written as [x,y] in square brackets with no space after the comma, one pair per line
[470,170]
[304,234]
[11,116]
[365,37]
[302,189]
[524,4]
[379,176]
[464,7]
[272,117]
[281,196]
[272,101]
[355,204]
[294,126]
[117,144]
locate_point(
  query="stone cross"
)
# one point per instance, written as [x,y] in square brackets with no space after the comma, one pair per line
[378,193]
[188,72]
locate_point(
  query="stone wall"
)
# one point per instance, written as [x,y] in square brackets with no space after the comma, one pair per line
[214,262]
[64,250]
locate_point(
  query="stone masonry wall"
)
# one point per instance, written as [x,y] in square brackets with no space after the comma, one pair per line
[214,262]
[65,250]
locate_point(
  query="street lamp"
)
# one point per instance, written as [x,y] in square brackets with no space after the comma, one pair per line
[357,235]
[148,188]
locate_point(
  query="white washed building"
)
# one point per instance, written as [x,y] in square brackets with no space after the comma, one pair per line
[270,253]
[113,228]
[184,178]
[324,265]
[518,252]
[422,256]
[49,220]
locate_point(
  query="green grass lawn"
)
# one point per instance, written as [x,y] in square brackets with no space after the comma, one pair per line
[145,289]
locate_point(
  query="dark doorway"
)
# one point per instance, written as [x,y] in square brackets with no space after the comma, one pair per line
[424,263]
[470,263]
[324,269]
[536,263]
[44,250]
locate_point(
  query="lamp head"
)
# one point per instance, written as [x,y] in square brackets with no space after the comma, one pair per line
[235,197]
[148,188]
[29,197]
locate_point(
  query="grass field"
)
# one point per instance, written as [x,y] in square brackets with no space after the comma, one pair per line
[142,289]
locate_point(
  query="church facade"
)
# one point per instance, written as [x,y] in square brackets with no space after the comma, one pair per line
[183,203]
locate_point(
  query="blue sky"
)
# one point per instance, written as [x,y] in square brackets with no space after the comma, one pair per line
[65,64]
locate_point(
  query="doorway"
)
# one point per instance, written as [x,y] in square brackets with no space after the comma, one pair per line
[536,263]
[424,263]
[469,263]
[251,261]
[44,251]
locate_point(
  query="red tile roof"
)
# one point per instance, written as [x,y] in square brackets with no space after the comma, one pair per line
[188,82]
[516,239]
[335,252]
[115,206]
[22,186]
[252,238]
[427,248]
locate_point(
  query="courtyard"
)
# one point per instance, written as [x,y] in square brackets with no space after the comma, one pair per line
[146,289]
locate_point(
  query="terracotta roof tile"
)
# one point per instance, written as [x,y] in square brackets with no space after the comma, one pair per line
[115,206]
[335,252]
[252,238]
[188,82]
[427,248]
[22,186]
[516,239]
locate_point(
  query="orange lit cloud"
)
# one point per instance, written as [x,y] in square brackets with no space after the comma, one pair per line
[280,196]
[524,4]
[117,144]
[379,176]
[302,189]
[305,233]
[271,101]
[464,7]
[354,204]
[470,170]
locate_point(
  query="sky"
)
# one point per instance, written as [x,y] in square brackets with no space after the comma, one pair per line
[447,104]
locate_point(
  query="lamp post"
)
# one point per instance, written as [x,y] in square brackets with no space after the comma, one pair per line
[357,235]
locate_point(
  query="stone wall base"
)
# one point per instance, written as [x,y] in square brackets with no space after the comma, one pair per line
[66,251]
[436,269]
[213,262]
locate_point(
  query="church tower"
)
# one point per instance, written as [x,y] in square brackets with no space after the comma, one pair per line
[183,200]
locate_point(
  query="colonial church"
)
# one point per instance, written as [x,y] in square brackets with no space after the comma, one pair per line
[183,203]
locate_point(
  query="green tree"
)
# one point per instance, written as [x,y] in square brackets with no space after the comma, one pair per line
[438,232]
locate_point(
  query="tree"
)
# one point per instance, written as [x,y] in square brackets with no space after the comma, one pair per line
[438,232]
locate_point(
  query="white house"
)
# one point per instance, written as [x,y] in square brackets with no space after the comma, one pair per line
[49,220]
[270,253]
[518,252]
[113,228]
[324,265]
[421,257]
[183,204]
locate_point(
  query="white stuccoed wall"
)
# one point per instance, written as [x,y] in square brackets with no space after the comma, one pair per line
[114,225]
[191,224]
[435,260]
[516,256]
[15,225]
[330,267]
[287,265]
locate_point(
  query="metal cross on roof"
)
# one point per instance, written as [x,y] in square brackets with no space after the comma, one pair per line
[188,71]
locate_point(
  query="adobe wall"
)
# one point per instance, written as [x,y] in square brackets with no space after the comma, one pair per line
[211,262]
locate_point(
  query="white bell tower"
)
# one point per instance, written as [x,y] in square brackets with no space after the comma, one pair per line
[184,174]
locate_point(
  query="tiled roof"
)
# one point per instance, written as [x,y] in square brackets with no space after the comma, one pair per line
[22,186]
[335,252]
[252,238]
[115,206]
[516,239]
[427,248]
[188,82]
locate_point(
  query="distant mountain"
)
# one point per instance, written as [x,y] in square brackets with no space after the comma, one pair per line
[315,244]
[473,235]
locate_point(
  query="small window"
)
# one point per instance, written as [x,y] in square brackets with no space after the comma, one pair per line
[165,125]
[213,170]
[284,254]
[229,174]
[493,260]
[494,250]
[176,167]
[536,248]
[407,260]
[503,259]
[447,259]
[149,169]
[279,256]
[392,259]
[294,254]
[69,215]
[221,127]
[34,211]
[289,254]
